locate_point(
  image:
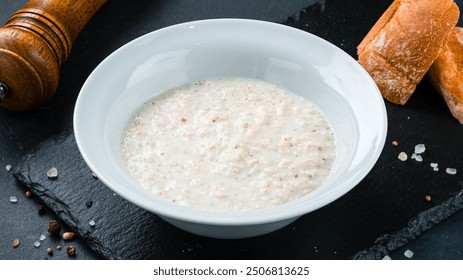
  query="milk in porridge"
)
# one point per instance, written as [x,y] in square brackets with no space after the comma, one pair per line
[229,144]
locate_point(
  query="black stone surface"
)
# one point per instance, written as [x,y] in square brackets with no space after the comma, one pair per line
[385,214]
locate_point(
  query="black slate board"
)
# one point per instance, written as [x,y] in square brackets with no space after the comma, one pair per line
[387,207]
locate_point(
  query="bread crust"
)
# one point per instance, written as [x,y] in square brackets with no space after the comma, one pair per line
[446,73]
[403,44]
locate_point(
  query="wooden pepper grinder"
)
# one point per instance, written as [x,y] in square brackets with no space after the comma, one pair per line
[34,43]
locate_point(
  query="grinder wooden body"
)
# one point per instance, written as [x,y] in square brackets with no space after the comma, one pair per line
[34,43]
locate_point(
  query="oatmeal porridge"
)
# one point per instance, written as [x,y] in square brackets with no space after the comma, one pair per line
[229,144]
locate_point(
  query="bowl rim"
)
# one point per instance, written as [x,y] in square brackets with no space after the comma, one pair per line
[274,214]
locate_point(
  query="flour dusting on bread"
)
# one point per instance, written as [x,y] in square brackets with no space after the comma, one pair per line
[446,73]
[404,42]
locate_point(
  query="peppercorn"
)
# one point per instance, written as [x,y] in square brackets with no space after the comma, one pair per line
[69,235]
[50,251]
[71,250]
[28,194]
[427,198]
[54,227]
[15,243]
[41,208]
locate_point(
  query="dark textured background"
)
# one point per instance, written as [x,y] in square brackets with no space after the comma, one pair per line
[381,206]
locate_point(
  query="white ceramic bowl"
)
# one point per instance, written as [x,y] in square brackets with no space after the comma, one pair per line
[301,62]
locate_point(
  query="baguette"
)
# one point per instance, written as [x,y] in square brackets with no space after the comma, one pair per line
[446,73]
[403,44]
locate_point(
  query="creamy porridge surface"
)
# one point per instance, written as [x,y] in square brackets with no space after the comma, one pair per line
[229,145]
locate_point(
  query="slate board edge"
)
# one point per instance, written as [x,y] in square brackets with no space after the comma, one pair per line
[417,226]
[54,204]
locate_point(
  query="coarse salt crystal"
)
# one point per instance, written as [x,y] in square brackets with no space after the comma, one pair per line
[434,166]
[36,244]
[8,167]
[451,171]
[403,156]
[92,223]
[420,148]
[13,199]
[42,237]
[417,157]
[386,258]
[52,173]
[409,254]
